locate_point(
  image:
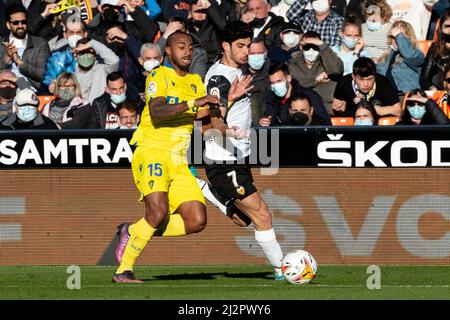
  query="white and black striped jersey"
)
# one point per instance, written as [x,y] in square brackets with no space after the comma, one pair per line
[218,81]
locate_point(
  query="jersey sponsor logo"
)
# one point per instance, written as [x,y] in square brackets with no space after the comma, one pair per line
[153,73]
[194,88]
[152,87]
[151,183]
[172,100]
[173,83]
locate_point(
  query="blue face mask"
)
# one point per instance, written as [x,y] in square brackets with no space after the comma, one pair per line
[280,88]
[349,42]
[27,113]
[374,26]
[417,111]
[118,98]
[363,122]
[256,61]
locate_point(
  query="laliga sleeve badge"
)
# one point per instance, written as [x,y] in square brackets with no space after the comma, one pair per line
[240,190]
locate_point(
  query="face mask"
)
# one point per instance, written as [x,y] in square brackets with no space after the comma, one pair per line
[258,22]
[299,118]
[197,23]
[363,122]
[349,42]
[280,88]
[118,98]
[8,92]
[72,40]
[27,113]
[289,2]
[256,61]
[311,55]
[125,127]
[66,94]
[291,39]
[151,64]
[417,111]
[86,60]
[374,26]
[117,47]
[320,5]
[445,37]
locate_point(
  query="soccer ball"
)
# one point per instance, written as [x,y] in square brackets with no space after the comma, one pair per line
[299,267]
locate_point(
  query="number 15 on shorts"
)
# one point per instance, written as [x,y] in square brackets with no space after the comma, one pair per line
[155,169]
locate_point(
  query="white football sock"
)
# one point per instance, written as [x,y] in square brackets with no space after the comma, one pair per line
[268,242]
[210,197]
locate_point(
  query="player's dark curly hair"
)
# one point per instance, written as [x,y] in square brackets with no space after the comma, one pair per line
[236,30]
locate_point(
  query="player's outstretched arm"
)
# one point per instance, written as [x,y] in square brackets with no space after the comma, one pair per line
[162,111]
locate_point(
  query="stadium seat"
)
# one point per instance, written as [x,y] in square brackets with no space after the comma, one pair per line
[43,100]
[387,121]
[342,121]
[424,45]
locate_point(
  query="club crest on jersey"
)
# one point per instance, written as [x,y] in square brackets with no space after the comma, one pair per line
[215,92]
[151,88]
[267,32]
[151,183]
[194,88]
[240,190]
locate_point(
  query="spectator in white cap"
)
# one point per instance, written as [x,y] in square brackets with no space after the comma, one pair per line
[26,115]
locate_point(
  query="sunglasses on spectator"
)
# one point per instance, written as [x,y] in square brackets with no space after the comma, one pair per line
[308,46]
[16,22]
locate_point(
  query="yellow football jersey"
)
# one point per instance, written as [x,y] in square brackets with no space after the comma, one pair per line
[172,135]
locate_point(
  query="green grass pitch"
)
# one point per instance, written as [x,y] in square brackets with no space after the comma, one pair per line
[225,282]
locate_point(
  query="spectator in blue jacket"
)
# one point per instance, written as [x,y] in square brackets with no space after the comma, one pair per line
[150,7]
[402,63]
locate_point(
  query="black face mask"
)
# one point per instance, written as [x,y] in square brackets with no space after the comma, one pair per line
[8,92]
[197,24]
[118,48]
[258,22]
[110,15]
[445,37]
[299,118]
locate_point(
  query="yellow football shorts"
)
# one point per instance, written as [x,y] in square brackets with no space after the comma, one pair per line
[154,171]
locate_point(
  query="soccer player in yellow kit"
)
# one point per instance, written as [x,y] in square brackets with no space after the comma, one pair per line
[174,204]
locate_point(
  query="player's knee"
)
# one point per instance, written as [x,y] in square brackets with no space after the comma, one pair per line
[156,213]
[196,222]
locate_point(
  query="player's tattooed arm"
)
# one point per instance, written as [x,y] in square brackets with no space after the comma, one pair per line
[161,111]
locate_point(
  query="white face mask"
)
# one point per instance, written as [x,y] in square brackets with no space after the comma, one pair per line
[291,39]
[151,64]
[122,126]
[27,113]
[311,55]
[72,40]
[320,5]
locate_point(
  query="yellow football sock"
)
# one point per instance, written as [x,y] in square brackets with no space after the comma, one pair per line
[172,226]
[140,234]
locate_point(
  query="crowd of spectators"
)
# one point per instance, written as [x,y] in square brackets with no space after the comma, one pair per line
[310,60]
